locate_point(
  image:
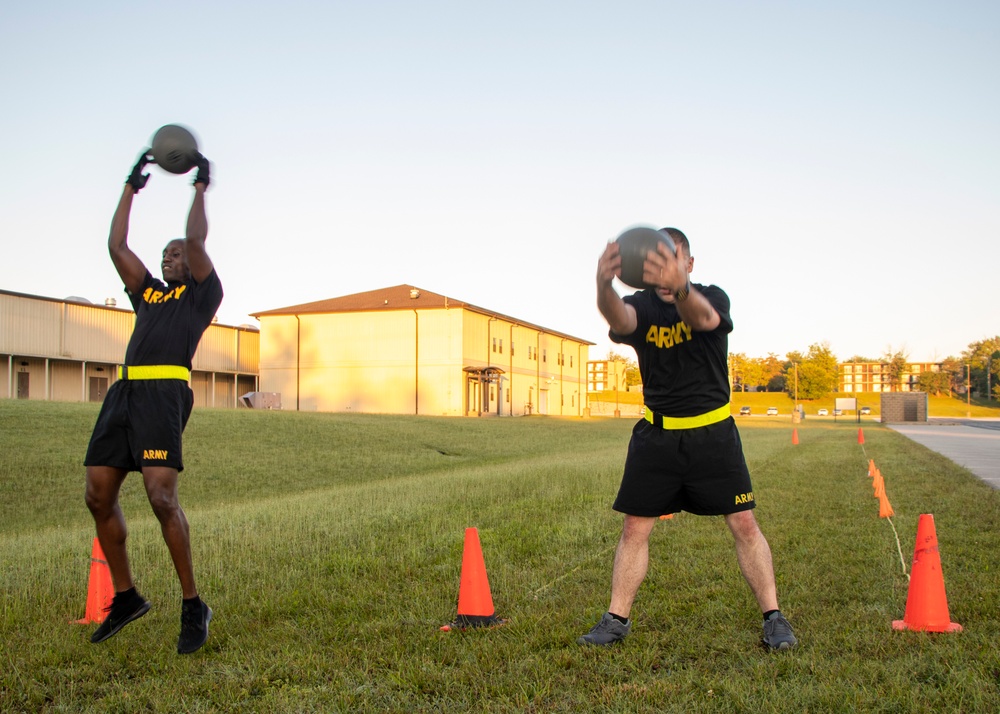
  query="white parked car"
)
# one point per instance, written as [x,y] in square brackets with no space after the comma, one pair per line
[823,412]
[772,411]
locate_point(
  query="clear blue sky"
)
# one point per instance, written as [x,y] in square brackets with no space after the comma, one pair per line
[835,165]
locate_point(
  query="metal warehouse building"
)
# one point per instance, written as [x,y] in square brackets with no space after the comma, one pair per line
[69,350]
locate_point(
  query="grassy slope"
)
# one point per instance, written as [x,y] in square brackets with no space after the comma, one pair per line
[330,547]
[760,401]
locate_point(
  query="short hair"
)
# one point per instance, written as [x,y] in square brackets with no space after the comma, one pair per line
[678,237]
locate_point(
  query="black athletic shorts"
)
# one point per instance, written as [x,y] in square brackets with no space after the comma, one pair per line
[140,424]
[700,470]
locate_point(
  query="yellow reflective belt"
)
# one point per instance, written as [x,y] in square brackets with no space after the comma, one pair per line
[154,371]
[691,422]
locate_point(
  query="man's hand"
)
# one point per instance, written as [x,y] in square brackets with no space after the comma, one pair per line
[664,269]
[137,179]
[203,169]
[610,265]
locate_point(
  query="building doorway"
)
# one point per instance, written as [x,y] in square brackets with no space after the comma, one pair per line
[98,388]
[22,384]
[482,390]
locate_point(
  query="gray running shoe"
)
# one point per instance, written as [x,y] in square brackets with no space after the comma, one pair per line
[605,632]
[778,633]
[123,610]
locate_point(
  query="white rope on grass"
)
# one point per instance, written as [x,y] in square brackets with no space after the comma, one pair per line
[543,588]
[899,546]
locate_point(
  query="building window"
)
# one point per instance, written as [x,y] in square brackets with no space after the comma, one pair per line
[501,345]
[511,349]
[545,355]
[494,344]
[571,361]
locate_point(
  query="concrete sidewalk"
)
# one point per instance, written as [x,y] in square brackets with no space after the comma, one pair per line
[972,443]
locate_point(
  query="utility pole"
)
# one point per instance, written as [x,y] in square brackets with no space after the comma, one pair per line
[968,390]
[617,409]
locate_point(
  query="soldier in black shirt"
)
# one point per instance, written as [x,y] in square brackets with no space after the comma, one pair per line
[145,411]
[686,453]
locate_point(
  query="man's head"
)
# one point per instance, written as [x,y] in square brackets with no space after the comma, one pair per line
[174,265]
[682,249]
[680,240]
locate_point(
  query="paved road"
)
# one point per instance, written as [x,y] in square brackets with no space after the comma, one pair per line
[972,443]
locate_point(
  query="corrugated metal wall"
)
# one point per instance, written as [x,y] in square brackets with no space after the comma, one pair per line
[68,351]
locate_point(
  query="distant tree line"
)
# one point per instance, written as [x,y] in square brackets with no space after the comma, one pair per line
[815,374]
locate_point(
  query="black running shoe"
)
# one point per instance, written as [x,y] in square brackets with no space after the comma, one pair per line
[124,608]
[778,633]
[194,626]
[605,632]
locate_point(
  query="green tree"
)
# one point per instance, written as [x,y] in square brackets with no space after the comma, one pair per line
[955,369]
[774,373]
[895,366]
[812,376]
[936,383]
[754,373]
[737,370]
[983,370]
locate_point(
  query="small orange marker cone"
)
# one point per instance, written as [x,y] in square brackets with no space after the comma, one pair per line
[871,468]
[878,484]
[795,436]
[926,603]
[885,508]
[861,436]
[475,603]
[100,591]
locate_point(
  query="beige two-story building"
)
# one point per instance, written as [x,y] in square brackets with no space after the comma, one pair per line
[405,350]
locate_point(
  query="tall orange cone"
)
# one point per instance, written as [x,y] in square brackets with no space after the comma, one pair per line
[100,590]
[871,468]
[475,603]
[926,603]
[861,436]
[795,436]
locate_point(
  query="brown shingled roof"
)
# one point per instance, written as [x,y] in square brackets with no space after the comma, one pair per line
[398,297]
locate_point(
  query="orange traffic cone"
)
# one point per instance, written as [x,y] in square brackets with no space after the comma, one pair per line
[100,591]
[871,468]
[926,603]
[795,436]
[884,507]
[861,436]
[475,603]
[878,484]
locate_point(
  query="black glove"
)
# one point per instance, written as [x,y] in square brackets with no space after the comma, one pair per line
[137,179]
[203,168]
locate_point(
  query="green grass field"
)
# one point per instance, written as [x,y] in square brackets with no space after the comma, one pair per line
[330,548]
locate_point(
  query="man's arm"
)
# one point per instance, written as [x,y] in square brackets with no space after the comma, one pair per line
[197,226]
[130,269]
[620,315]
